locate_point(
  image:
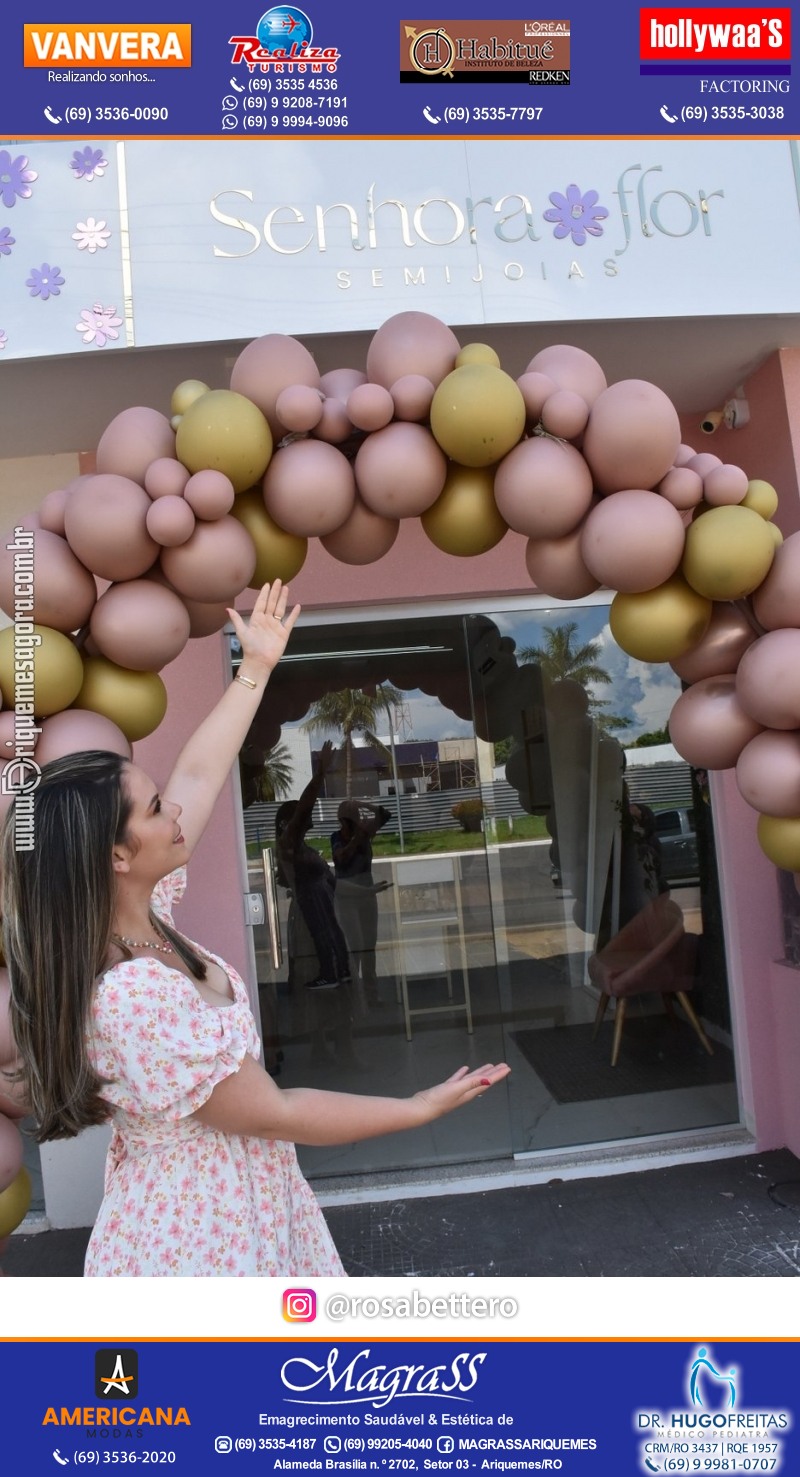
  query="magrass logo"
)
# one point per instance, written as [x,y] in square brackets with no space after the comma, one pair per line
[116,1374]
[283,43]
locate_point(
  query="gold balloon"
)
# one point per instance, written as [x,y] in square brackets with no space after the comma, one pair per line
[477,354]
[280,554]
[14,1203]
[728,553]
[477,414]
[465,518]
[779,840]
[761,497]
[56,668]
[135,701]
[226,432]
[660,625]
[776,533]
[185,395]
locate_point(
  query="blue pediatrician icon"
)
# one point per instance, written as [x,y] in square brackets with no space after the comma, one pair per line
[284,27]
[703,1375]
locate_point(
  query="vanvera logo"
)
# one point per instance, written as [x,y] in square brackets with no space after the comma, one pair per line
[720,34]
[361,1382]
[69,45]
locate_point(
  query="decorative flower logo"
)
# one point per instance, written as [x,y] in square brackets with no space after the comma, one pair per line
[3,339]
[576,215]
[45,281]
[98,325]
[91,235]
[6,241]
[88,163]
[15,178]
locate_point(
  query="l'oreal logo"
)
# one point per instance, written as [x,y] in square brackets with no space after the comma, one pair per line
[361,1383]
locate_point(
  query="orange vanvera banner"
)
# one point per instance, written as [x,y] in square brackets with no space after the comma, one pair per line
[51,44]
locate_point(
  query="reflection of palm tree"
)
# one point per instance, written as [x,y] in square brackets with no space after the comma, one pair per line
[272,781]
[561,661]
[352,711]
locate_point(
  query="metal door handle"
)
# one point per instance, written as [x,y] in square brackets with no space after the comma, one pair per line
[271,893]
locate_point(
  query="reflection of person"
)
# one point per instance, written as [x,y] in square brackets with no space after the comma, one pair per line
[311,880]
[641,867]
[356,889]
[117,1016]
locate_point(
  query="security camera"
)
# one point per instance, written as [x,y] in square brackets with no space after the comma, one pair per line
[736,413]
[711,421]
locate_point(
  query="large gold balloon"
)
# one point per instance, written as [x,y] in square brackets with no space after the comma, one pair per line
[779,839]
[728,553]
[477,414]
[761,497]
[14,1203]
[280,554]
[660,625]
[55,667]
[465,518]
[135,701]
[226,432]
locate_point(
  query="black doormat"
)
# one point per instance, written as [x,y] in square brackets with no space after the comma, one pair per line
[655,1056]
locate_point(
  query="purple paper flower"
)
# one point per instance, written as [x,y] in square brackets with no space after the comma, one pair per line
[576,215]
[88,163]
[3,338]
[45,281]
[98,324]
[6,241]
[15,178]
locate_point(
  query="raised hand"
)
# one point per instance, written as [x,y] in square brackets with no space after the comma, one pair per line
[463,1087]
[263,638]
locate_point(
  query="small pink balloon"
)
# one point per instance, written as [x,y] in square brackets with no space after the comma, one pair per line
[412,395]
[682,487]
[106,528]
[542,488]
[140,625]
[216,563]
[704,462]
[411,343]
[10,1152]
[768,680]
[684,455]
[309,488]
[77,729]
[170,521]
[633,541]
[51,511]
[570,368]
[165,477]
[205,619]
[632,436]
[400,471]
[768,773]
[725,484]
[370,407]
[299,407]
[135,438]
[363,538]
[268,365]
[708,726]
[557,569]
[337,383]
[210,494]
[62,589]
[727,637]
[776,602]
[8,1050]
[565,413]
[535,389]
[334,425]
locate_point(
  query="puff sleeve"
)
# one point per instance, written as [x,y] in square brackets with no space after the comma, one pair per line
[168,892]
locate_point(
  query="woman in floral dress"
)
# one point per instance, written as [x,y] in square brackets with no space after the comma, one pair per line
[118,1016]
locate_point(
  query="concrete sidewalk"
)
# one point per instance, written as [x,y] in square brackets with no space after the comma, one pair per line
[733,1217]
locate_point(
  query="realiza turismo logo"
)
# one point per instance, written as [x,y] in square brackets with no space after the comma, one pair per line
[284,42]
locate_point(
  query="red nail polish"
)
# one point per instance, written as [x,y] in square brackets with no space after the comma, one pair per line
[485,1082]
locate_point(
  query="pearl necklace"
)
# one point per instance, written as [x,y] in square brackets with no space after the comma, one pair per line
[119,938]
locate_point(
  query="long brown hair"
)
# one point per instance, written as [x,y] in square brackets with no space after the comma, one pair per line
[58,906]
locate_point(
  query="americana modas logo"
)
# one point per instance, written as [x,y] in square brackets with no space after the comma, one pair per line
[116,1374]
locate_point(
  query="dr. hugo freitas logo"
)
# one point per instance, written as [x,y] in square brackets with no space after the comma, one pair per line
[713,1419]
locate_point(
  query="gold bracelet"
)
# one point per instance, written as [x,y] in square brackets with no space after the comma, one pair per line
[245,681]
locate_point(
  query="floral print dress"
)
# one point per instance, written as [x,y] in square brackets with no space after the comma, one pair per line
[181,1199]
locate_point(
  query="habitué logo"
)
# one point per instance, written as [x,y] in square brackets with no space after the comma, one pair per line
[283,43]
[116,1374]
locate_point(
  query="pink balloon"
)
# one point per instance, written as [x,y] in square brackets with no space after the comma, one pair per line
[557,569]
[170,521]
[708,725]
[7,731]
[721,649]
[216,563]
[412,395]
[106,528]
[165,477]
[135,438]
[10,1152]
[543,489]
[632,436]
[570,369]
[77,729]
[268,365]
[565,414]
[299,407]
[51,511]
[768,773]
[334,425]
[370,407]
[309,488]
[768,680]
[535,389]
[776,602]
[8,1050]
[140,625]
[337,383]
[363,538]
[633,541]
[411,343]
[704,462]
[210,494]
[682,487]
[684,455]
[205,619]
[63,590]
[400,471]
[724,484]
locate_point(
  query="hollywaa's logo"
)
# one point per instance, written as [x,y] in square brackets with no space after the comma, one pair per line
[360,1382]
[283,43]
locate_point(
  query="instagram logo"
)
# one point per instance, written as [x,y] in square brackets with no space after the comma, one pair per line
[300,1305]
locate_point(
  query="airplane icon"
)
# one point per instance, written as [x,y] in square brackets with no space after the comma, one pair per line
[290,24]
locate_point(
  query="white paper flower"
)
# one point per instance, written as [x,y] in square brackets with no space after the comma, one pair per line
[91,235]
[98,325]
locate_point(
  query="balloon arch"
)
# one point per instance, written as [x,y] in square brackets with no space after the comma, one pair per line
[183,514]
